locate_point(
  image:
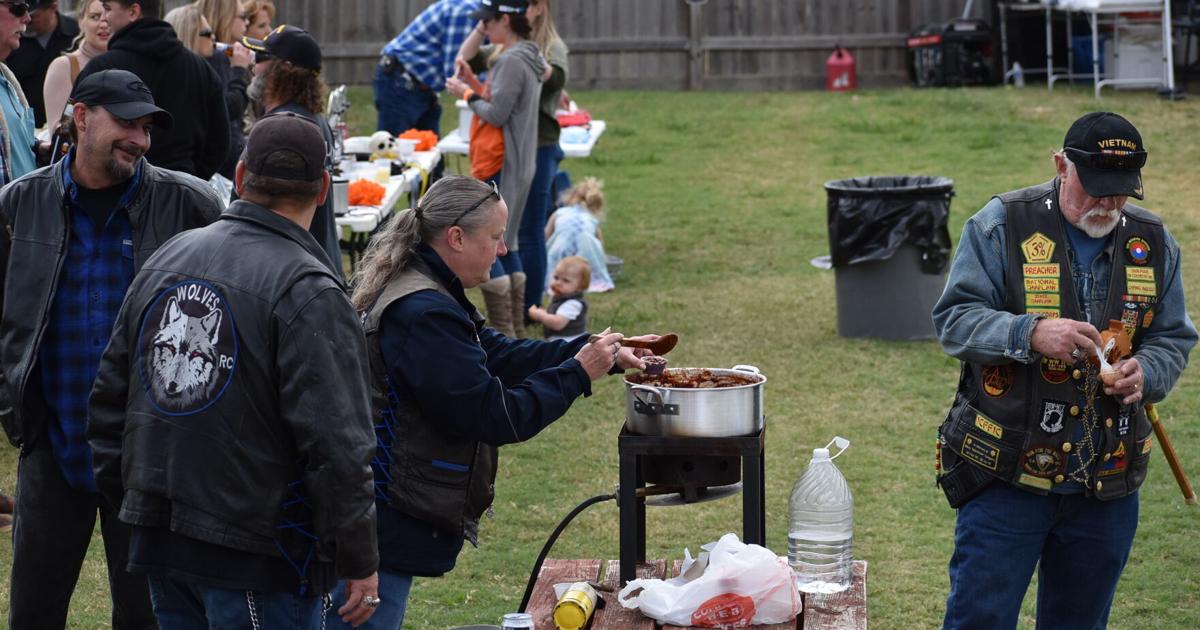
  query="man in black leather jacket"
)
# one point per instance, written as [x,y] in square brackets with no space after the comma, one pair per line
[231,416]
[74,235]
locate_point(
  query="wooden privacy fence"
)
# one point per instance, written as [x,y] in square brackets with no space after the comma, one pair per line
[665,44]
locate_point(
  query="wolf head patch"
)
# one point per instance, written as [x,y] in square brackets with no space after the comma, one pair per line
[187,348]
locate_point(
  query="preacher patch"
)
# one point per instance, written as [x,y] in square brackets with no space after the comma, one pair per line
[187,348]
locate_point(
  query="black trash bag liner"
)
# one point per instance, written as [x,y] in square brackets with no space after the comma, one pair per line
[871,217]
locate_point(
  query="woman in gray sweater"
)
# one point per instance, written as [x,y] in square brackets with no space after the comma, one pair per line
[516,71]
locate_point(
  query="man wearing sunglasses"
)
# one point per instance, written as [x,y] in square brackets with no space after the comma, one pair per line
[17,142]
[49,33]
[1043,461]
[182,82]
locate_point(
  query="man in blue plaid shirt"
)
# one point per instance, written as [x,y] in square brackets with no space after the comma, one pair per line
[74,234]
[413,67]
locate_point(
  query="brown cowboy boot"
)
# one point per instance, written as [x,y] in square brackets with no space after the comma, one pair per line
[497,298]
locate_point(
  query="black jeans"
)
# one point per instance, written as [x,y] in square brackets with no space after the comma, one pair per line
[53,528]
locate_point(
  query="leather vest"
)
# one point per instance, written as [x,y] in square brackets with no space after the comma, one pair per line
[1019,422]
[443,481]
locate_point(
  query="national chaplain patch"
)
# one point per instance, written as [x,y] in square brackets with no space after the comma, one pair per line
[1137,250]
[187,348]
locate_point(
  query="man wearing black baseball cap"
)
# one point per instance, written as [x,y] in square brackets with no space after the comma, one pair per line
[78,232]
[287,78]
[1043,460]
[231,414]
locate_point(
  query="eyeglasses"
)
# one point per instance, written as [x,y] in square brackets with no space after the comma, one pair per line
[494,192]
[1125,161]
[208,32]
[18,9]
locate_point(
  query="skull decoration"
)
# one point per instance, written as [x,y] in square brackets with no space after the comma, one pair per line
[383,144]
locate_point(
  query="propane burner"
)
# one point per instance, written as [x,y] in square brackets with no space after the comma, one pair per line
[694,469]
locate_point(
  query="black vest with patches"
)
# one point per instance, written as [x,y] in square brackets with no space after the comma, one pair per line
[1016,422]
[446,482]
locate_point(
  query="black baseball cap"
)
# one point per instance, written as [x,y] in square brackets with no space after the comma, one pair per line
[123,94]
[290,133]
[1108,154]
[492,9]
[289,43]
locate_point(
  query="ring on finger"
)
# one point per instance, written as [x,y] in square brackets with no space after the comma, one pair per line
[370,601]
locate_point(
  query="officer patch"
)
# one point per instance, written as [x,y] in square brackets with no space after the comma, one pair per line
[187,348]
[1053,413]
[1055,371]
[1137,250]
[1042,461]
[997,380]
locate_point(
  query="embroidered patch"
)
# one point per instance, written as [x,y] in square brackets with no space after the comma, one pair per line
[1137,250]
[1149,318]
[1147,446]
[1041,285]
[1055,371]
[1053,414]
[1129,320]
[187,348]
[981,452]
[1123,424]
[1037,248]
[997,380]
[989,427]
[1042,461]
[1116,463]
[1140,281]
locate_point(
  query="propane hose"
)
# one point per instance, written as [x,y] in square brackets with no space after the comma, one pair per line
[537,566]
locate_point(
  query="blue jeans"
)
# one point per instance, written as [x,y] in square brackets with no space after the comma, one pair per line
[400,108]
[509,263]
[393,591]
[531,239]
[1079,545]
[185,606]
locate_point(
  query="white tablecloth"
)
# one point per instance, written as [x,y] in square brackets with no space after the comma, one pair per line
[367,218]
[453,142]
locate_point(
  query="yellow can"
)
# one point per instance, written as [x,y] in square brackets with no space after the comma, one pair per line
[575,607]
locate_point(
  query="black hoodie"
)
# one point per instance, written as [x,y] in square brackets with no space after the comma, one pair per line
[183,84]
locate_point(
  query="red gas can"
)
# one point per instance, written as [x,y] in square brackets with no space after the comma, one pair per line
[839,71]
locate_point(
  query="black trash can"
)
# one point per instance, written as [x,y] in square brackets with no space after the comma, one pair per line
[890,246]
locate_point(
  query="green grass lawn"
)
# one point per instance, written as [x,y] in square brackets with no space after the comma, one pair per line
[716,204]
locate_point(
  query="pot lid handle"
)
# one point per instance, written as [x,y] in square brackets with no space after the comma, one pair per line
[746,368]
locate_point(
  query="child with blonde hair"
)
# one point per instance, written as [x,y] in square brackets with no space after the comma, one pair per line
[566,317]
[574,230]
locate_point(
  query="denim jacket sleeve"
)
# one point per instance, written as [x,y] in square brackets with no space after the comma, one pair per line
[969,318]
[1163,351]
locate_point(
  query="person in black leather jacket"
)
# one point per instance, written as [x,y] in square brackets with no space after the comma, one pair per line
[230,418]
[448,390]
[182,82]
[73,236]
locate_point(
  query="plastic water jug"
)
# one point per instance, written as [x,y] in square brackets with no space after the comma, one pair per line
[821,535]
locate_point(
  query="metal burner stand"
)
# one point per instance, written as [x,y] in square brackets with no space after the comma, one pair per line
[633,448]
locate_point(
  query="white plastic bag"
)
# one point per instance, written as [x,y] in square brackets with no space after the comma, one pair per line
[732,585]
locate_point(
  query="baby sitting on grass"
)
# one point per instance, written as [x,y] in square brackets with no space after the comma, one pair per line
[566,318]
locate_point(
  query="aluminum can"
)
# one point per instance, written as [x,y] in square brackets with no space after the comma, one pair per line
[575,607]
[517,621]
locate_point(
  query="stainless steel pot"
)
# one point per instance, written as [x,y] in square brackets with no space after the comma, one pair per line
[700,412]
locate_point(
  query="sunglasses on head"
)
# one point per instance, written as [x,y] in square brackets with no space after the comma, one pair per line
[494,192]
[18,9]
[1127,161]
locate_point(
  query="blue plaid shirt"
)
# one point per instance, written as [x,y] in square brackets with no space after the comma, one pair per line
[428,46]
[95,276]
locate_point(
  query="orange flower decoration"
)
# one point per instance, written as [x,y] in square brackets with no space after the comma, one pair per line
[426,140]
[364,192]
